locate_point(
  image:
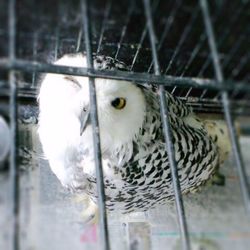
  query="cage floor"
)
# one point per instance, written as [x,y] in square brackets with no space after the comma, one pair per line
[51,218]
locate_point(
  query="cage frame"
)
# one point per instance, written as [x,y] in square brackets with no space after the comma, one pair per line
[12,64]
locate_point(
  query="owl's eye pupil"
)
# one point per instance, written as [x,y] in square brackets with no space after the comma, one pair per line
[115,102]
[119,103]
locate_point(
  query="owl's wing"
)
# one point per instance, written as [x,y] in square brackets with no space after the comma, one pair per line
[177,107]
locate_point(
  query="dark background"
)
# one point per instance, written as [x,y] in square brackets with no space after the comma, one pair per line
[48,29]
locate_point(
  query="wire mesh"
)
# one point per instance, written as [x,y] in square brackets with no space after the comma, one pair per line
[56,32]
[189,54]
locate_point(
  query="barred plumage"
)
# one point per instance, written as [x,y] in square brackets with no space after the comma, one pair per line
[135,162]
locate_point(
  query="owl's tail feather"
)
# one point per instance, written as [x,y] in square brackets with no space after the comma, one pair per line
[218,131]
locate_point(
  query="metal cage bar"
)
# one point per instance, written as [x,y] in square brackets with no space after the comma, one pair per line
[143,35]
[223,36]
[105,19]
[96,131]
[220,84]
[166,80]
[166,29]
[34,55]
[14,175]
[125,26]
[226,104]
[168,134]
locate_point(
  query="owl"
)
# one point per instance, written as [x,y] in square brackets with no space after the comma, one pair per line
[135,162]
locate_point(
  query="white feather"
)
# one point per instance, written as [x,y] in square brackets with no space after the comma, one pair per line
[61,102]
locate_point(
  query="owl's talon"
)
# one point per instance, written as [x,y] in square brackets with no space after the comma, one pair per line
[219,179]
[90,214]
[90,218]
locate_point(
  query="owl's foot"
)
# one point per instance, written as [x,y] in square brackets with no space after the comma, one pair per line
[195,190]
[218,179]
[90,214]
[90,211]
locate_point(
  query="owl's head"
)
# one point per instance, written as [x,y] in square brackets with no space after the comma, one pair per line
[120,104]
[121,110]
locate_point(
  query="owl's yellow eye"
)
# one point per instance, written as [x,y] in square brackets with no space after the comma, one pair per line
[119,103]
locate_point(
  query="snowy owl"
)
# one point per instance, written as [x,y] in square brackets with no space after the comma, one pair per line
[135,163]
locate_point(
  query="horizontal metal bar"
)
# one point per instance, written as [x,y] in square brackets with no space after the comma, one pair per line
[168,134]
[31,93]
[239,107]
[29,66]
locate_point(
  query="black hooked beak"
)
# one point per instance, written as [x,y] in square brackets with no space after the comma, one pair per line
[84,119]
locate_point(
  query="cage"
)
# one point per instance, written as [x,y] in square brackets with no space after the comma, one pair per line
[196,50]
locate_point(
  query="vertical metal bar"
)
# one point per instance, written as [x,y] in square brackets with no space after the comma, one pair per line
[226,105]
[34,55]
[14,177]
[144,33]
[183,37]
[125,26]
[79,40]
[105,19]
[195,52]
[96,131]
[233,51]
[168,134]
[223,35]
[61,12]
[166,29]
[12,29]
[243,61]
[57,43]
[139,46]
[199,45]
[185,33]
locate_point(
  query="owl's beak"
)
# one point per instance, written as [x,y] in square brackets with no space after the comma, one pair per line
[84,120]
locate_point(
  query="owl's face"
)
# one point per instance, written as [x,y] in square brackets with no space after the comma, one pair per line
[121,110]
[121,104]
